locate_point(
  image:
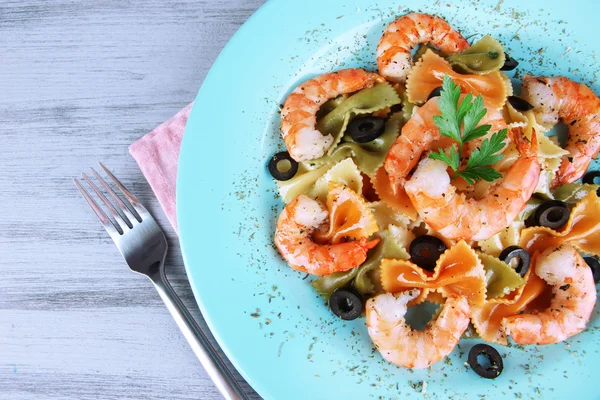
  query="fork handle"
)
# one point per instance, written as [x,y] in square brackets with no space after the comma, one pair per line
[204,350]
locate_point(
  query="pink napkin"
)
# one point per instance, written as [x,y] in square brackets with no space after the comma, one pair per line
[157,154]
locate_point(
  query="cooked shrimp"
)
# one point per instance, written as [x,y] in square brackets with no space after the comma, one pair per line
[576,106]
[573,300]
[401,345]
[454,215]
[420,133]
[394,57]
[300,218]
[298,116]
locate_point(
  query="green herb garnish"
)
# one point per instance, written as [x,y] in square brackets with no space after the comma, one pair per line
[459,122]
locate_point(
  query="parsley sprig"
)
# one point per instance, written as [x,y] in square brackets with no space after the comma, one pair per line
[459,122]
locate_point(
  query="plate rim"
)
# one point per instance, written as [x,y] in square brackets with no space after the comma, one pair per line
[237,36]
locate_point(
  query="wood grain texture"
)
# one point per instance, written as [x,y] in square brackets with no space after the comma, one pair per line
[79,82]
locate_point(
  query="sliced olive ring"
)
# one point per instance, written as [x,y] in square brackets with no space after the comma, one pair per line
[593,263]
[274,165]
[509,63]
[346,304]
[425,251]
[590,177]
[515,252]
[552,214]
[365,129]
[519,104]
[435,93]
[396,108]
[496,364]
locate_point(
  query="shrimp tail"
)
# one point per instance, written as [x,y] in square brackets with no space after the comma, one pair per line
[525,146]
[367,244]
[339,258]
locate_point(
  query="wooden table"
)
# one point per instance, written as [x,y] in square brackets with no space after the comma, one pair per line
[79,82]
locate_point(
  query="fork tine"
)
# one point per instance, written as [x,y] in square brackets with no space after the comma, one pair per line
[104,220]
[124,208]
[132,199]
[123,222]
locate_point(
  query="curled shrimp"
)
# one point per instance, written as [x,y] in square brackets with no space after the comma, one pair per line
[299,114]
[573,300]
[420,134]
[401,345]
[394,57]
[575,105]
[300,218]
[454,215]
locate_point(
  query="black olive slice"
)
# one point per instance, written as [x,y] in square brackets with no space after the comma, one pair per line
[595,266]
[496,364]
[277,169]
[365,129]
[396,108]
[552,214]
[590,177]
[425,251]
[519,104]
[346,304]
[516,252]
[435,93]
[509,63]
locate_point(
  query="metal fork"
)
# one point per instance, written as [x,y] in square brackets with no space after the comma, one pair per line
[143,245]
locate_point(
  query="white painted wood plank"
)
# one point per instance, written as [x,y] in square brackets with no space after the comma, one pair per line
[80,81]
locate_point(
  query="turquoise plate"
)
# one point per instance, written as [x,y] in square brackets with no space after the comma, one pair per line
[277,332]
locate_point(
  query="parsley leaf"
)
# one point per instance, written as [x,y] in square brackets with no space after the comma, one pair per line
[472,118]
[459,122]
[486,173]
[485,155]
[449,122]
[453,161]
